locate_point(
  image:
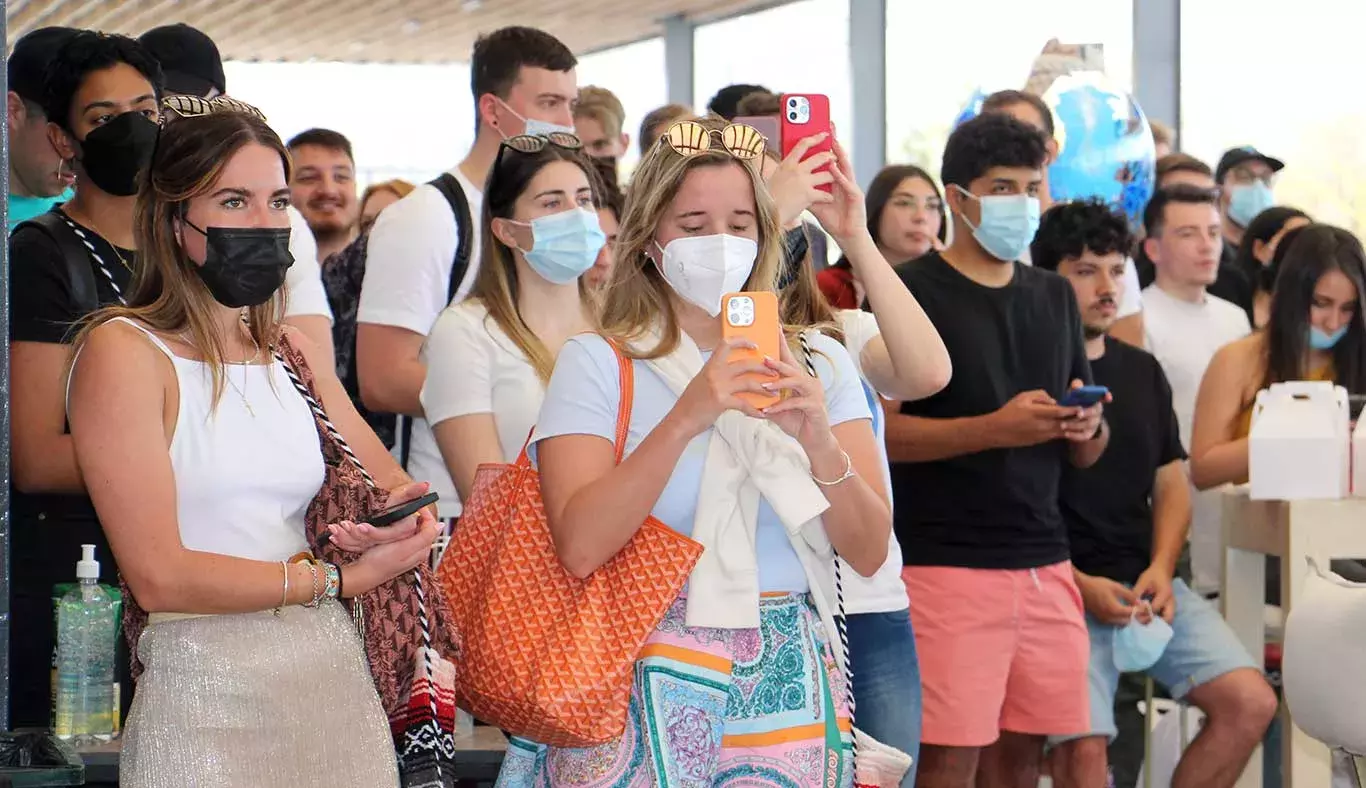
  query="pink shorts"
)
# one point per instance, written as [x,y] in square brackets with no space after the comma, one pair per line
[1000,649]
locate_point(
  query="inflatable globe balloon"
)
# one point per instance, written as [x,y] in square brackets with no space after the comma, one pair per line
[1105,146]
[972,108]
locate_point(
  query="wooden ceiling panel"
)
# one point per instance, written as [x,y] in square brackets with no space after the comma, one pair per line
[387,31]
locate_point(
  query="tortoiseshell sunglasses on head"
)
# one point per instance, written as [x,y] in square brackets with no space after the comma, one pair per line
[196,107]
[690,138]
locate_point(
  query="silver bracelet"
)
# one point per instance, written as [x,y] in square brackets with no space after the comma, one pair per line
[847,475]
[317,585]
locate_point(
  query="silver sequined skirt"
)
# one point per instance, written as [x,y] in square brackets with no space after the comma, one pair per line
[256,701]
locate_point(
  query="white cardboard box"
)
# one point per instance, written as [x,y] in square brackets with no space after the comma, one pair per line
[1300,443]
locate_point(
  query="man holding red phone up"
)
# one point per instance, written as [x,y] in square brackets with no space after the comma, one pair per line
[998,621]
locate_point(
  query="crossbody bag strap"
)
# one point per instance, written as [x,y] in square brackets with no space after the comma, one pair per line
[424,621]
[841,620]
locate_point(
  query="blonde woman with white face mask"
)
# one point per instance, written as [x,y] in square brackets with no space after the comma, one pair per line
[740,679]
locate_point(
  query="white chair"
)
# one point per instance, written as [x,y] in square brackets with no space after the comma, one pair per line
[1324,668]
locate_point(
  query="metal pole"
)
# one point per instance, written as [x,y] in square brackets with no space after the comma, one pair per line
[678,59]
[1157,60]
[4,416]
[868,72]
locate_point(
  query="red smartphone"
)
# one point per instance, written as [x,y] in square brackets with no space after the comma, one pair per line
[754,316]
[804,115]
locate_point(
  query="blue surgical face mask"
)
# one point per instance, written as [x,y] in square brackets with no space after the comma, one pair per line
[1007,224]
[1318,340]
[564,244]
[535,128]
[1139,646]
[1246,202]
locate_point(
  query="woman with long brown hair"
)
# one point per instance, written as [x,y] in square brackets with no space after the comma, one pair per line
[738,682]
[490,356]
[202,460]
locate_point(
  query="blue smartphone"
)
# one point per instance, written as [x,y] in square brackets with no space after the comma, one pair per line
[1084,396]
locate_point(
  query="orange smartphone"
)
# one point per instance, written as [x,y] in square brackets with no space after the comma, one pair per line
[805,115]
[754,316]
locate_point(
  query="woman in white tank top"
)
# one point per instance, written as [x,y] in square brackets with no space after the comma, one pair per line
[202,458]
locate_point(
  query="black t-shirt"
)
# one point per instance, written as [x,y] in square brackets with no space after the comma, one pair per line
[996,509]
[1108,507]
[42,307]
[48,530]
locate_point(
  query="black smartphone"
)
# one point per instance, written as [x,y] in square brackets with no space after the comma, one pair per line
[406,509]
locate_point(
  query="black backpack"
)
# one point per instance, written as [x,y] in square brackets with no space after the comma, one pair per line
[79,272]
[344,272]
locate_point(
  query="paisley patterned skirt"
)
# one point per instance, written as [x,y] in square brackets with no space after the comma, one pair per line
[758,708]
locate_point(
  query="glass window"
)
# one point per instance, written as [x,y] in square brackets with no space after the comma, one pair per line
[938,54]
[635,73]
[801,47]
[423,126]
[1288,90]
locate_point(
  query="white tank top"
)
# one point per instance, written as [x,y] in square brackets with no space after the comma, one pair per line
[244,477]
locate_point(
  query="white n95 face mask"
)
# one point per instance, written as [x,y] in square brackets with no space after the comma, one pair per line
[702,268]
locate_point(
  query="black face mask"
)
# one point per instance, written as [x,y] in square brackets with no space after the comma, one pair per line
[244,266]
[795,247]
[116,152]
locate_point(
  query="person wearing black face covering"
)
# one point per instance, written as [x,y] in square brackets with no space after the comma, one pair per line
[192,415]
[100,97]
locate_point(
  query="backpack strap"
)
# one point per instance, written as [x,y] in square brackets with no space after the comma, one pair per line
[450,188]
[77,258]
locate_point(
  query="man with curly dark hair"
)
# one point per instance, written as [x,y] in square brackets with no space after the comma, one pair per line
[1127,518]
[998,623]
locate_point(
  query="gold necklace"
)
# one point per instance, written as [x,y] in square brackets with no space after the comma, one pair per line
[103,237]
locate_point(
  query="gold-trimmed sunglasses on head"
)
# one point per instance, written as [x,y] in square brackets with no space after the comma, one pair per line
[535,143]
[691,138]
[196,107]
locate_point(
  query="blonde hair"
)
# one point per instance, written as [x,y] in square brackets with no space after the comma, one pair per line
[398,187]
[602,105]
[167,293]
[496,284]
[637,298]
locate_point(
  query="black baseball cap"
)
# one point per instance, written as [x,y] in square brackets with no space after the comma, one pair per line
[1235,156]
[189,59]
[33,53]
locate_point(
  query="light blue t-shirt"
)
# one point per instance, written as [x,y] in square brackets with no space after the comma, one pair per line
[21,209]
[582,399]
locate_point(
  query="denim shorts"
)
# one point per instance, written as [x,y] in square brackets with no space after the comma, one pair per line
[1202,649]
[887,681]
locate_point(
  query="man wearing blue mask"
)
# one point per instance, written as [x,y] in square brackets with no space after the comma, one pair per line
[424,250]
[1245,176]
[998,622]
[1127,518]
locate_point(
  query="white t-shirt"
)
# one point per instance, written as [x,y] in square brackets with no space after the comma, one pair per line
[1132,302]
[304,280]
[883,592]
[474,367]
[407,273]
[1184,338]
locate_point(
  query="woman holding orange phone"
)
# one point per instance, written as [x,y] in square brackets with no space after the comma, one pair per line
[770,491]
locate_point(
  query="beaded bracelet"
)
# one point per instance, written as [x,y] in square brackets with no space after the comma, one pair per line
[317,584]
[332,581]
